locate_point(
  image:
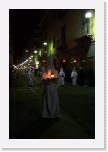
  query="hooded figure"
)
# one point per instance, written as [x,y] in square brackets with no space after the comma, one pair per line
[30,76]
[74,76]
[61,77]
[50,99]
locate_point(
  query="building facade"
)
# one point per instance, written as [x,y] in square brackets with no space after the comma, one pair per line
[70,35]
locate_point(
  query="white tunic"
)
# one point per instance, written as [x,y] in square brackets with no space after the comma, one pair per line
[74,77]
[30,78]
[50,102]
[61,77]
[50,99]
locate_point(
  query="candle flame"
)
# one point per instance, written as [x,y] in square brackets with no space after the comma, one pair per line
[52,75]
[49,75]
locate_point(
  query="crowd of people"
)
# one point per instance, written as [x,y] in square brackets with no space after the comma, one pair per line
[52,79]
[75,76]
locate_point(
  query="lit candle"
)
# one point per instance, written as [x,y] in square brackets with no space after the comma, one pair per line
[52,75]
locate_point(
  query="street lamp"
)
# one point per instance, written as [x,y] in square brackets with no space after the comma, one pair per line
[45,46]
[88,15]
[35,51]
[45,43]
[35,57]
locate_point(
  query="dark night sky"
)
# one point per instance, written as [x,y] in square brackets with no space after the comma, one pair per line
[22,23]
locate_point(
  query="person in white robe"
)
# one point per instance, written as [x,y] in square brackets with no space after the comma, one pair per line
[74,77]
[50,100]
[30,76]
[61,77]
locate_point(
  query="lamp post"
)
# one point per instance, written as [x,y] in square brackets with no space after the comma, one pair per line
[88,15]
[49,57]
[45,47]
[35,57]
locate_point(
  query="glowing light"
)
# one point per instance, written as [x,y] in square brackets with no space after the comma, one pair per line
[32,56]
[51,49]
[52,75]
[49,75]
[37,62]
[45,43]
[74,61]
[35,51]
[40,52]
[88,15]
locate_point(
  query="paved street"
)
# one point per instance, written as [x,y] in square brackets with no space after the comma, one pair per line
[77,106]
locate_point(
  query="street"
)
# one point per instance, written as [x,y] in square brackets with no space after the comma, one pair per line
[77,107]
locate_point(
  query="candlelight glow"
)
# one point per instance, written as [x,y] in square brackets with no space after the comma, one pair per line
[52,75]
[49,75]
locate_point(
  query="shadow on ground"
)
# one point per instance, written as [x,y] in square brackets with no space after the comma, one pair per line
[35,130]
